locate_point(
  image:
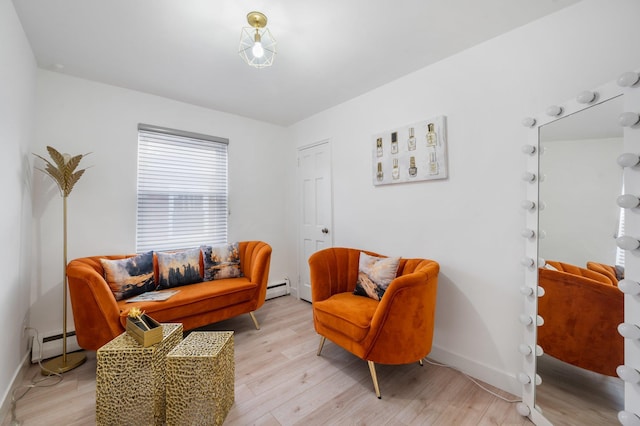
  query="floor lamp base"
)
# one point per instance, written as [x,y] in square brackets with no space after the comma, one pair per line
[57,364]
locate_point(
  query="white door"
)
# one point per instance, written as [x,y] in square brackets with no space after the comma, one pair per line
[314,177]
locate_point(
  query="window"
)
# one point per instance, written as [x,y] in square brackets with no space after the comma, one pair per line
[182,189]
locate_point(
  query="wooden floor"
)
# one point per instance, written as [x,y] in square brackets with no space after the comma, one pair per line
[572,396]
[281,381]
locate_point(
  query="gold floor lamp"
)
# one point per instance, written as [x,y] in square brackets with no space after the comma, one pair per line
[63,172]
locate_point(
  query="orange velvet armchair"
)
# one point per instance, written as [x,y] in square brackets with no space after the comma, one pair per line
[606,270]
[398,329]
[581,309]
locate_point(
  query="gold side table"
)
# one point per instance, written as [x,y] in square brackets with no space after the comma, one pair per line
[200,380]
[130,379]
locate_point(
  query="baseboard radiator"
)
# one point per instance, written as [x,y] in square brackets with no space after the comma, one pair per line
[51,344]
[277,289]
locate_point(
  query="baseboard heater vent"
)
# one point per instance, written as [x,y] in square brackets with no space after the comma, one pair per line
[277,289]
[51,345]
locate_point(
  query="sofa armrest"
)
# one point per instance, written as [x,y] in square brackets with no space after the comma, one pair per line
[255,259]
[402,326]
[95,310]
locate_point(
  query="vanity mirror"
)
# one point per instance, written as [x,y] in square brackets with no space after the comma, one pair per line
[572,215]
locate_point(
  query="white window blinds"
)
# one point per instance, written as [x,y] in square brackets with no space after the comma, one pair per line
[182,189]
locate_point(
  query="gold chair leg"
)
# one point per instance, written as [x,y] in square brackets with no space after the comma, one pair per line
[372,368]
[421,364]
[322,339]
[255,321]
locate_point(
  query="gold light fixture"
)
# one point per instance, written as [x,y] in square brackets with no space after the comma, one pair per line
[257,45]
[63,172]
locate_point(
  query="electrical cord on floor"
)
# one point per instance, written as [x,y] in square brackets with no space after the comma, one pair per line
[40,383]
[474,381]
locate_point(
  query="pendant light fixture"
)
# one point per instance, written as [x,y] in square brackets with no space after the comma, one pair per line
[257,45]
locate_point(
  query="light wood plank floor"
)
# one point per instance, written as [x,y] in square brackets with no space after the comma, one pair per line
[281,381]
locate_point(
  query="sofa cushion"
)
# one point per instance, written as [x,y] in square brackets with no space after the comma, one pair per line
[178,268]
[221,262]
[195,299]
[346,313]
[131,276]
[375,274]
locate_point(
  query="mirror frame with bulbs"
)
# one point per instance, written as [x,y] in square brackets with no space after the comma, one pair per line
[628,85]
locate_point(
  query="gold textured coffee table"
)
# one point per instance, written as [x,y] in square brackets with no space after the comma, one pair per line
[200,381]
[130,379]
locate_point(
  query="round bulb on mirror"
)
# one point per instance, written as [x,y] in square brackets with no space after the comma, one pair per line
[528,177]
[629,331]
[541,262]
[627,418]
[628,374]
[586,97]
[524,378]
[527,291]
[527,233]
[525,349]
[539,351]
[528,149]
[628,119]
[628,79]
[528,205]
[629,287]
[528,122]
[525,319]
[523,409]
[627,243]
[628,201]
[628,159]
[538,380]
[526,261]
[539,321]
[540,291]
[554,111]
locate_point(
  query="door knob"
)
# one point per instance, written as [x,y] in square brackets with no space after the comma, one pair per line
[325,231]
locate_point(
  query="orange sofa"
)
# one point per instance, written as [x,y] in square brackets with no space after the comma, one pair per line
[99,317]
[397,329]
[581,309]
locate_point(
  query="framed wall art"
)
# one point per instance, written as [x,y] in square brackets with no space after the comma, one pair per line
[415,152]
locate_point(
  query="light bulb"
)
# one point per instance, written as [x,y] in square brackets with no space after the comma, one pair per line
[257,50]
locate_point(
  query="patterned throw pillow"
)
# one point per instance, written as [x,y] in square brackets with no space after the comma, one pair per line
[221,262]
[178,268]
[375,274]
[129,277]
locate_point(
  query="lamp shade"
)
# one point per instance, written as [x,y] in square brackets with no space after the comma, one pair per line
[257,45]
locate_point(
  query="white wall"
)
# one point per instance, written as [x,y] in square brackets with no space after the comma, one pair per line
[17,96]
[580,218]
[470,223]
[80,116]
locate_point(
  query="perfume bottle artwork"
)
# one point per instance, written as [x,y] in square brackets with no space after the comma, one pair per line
[433,163]
[413,170]
[411,142]
[379,174]
[410,153]
[395,172]
[432,137]
[394,142]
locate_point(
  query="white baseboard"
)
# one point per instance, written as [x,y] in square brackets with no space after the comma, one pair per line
[18,376]
[498,378]
[278,288]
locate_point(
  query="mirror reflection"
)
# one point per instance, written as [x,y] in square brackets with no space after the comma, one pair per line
[578,222]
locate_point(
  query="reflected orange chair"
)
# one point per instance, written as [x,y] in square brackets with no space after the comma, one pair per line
[398,329]
[581,309]
[606,270]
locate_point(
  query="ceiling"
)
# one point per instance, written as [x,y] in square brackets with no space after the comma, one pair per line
[329,51]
